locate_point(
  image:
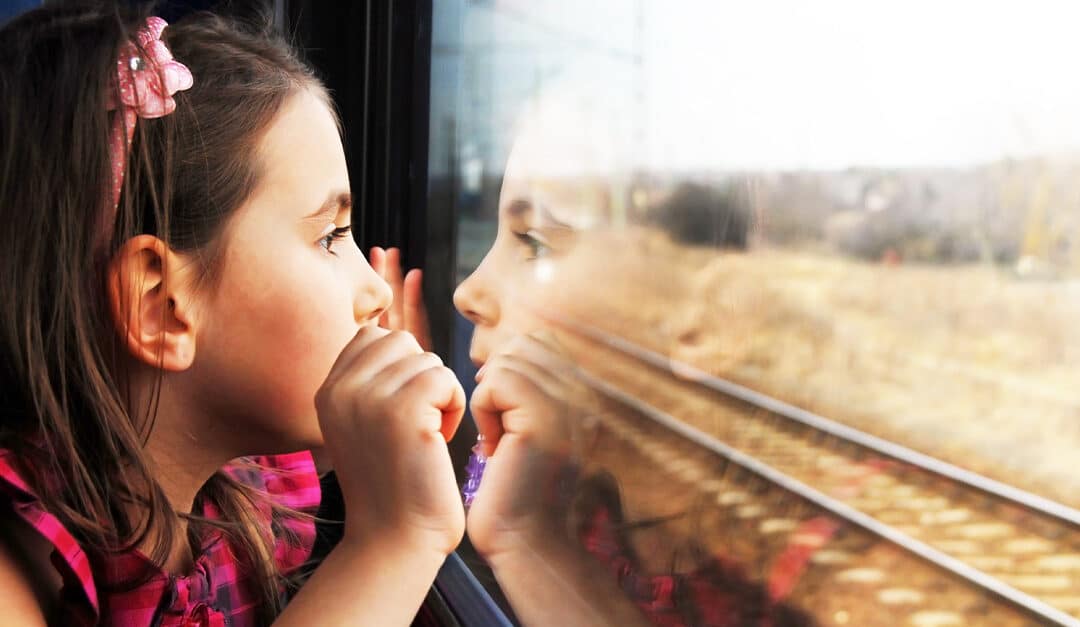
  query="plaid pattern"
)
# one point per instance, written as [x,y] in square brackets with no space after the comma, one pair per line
[218,593]
[717,594]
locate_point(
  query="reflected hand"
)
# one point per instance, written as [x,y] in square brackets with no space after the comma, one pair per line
[525,405]
[407,313]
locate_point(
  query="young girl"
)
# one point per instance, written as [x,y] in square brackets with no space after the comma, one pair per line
[178,291]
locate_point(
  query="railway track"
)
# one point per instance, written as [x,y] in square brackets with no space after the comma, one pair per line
[941,543]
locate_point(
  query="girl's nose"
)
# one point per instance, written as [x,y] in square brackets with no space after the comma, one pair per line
[475,301]
[373,296]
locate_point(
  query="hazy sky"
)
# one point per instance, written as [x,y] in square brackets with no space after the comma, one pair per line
[833,83]
[816,84]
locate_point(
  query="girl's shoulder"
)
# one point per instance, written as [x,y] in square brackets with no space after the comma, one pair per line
[61,573]
[28,589]
[54,564]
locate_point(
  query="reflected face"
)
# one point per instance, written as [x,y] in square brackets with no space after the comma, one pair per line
[294,289]
[530,248]
[563,180]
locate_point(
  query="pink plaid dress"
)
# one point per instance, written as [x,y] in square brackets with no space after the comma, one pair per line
[719,593]
[218,593]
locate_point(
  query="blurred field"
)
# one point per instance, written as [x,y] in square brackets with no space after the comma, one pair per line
[965,363]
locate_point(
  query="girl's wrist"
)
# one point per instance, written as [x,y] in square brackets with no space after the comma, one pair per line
[422,557]
[382,579]
[546,525]
[541,536]
[401,540]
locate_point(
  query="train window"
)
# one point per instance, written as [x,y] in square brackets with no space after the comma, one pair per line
[767,310]
[809,277]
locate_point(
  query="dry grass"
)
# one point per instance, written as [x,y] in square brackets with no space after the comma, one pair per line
[964,363]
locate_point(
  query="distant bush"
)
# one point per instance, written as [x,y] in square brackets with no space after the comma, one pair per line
[704,215]
[872,236]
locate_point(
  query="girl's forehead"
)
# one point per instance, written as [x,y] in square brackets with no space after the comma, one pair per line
[573,202]
[570,157]
[304,127]
[302,156]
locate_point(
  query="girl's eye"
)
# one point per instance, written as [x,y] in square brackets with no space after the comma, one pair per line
[327,241]
[538,246]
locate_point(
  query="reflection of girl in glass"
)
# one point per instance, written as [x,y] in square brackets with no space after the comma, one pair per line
[559,545]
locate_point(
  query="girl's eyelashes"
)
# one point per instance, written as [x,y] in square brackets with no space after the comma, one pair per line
[538,246]
[327,241]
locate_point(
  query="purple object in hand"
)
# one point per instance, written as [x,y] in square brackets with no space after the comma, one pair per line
[474,472]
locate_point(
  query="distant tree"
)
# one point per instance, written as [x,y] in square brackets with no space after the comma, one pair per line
[704,215]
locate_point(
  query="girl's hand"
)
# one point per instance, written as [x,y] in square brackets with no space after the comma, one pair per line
[525,405]
[386,410]
[408,312]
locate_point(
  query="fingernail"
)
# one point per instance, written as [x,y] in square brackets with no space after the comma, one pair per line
[480,373]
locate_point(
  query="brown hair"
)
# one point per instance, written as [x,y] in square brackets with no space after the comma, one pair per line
[64,403]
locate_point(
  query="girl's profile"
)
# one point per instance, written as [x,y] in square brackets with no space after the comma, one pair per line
[184,316]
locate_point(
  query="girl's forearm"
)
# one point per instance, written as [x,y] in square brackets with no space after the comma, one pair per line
[375,583]
[548,581]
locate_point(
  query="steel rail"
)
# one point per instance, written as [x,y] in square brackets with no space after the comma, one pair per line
[692,374]
[845,512]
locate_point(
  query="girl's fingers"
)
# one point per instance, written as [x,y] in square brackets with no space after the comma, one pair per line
[509,401]
[545,355]
[393,277]
[549,403]
[395,375]
[377,259]
[372,356]
[424,380]
[364,338]
[414,311]
[378,264]
[488,418]
[543,379]
[439,387]
[407,312]
[547,339]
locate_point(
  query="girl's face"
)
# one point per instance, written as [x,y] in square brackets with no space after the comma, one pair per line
[294,289]
[531,247]
[557,175]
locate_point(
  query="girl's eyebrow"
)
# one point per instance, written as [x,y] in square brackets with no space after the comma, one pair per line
[520,208]
[337,202]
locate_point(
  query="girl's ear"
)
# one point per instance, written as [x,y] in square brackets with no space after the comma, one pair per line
[151,303]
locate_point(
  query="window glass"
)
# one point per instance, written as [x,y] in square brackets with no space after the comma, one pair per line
[813,272]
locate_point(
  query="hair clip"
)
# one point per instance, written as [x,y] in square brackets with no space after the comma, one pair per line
[147,76]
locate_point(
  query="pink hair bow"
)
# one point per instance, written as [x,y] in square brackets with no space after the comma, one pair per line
[147,77]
